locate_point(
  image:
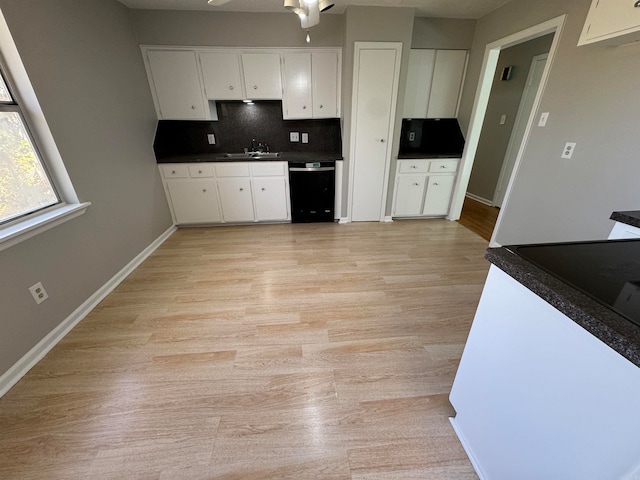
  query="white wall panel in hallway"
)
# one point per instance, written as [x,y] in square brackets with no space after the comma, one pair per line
[375,90]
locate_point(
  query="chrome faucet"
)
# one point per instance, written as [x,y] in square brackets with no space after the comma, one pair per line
[259,147]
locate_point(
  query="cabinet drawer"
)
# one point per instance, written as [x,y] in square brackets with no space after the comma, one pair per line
[413,166]
[173,170]
[200,171]
[268,169]
[232,169]
[443,166]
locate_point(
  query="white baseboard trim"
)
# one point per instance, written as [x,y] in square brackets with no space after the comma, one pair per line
[388,219]
[479,199]
[467,449]
[37,353]
[343,220]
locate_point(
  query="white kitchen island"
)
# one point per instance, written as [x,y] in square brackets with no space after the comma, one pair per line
[539,395]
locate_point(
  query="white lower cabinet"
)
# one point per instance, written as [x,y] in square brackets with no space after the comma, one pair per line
[236,199]
[270,195]
[424,187]
[194,200]
[233,192]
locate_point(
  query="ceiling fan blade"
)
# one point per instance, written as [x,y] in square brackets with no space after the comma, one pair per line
[217,3]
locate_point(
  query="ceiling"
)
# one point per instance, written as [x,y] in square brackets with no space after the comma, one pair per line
[424,8]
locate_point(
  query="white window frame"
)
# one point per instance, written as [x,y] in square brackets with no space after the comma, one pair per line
[70,206]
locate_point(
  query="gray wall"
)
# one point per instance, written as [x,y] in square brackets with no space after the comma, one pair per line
[232,29]
[87,71]
[444,33]
[504,100]
[373,24]
[592,97]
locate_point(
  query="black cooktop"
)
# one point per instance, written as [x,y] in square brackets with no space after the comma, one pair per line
[608,271]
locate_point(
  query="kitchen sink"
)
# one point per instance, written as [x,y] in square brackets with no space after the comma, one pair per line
[251,155]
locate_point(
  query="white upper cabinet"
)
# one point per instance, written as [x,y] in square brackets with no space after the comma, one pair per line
[325,81]
[311,85]
[419,77]
[222,75]
[297,101]
[262,76]
[613,21]
[175,85]
[448,73]
[434,82]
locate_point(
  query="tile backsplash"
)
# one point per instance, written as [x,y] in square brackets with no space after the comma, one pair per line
[238,123]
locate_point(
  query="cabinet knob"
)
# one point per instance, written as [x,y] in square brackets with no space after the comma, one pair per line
[242,189]
[200,171]
[193,107]
[444,166]
[414,166]
[435,183]
[417,184]
[382,140]
[173,172]
[322,106]
[230,87]
[255,87]
[204,190]
[304,107]
[263,189]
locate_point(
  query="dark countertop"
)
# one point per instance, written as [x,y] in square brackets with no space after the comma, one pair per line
[405,156]
[605,324]
[284,157]
[630,217]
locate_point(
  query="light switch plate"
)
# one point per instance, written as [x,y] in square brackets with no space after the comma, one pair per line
[543,119]
[503,119]
[294,136]
[305,138]
[211,138]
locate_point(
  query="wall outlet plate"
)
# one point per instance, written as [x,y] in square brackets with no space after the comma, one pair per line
[294,136]
[543,119]
[412,136]
[38,293]
[569,147]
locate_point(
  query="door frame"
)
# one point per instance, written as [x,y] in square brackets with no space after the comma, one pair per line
[483,91]
[358,47]
[521,116]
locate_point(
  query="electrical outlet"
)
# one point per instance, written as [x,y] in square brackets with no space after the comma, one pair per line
[294,136]
[569,147]
[211,138]
[305,138]
[38,293]
[543,119]
[412,136]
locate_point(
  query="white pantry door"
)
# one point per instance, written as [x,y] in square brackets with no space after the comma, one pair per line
[376,73]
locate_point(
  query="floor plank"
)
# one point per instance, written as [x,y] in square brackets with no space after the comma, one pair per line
[317,351]
[479,218]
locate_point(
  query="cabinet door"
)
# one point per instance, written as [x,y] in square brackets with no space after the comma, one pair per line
[297,86]
[419,77]
[176,82]
[610,18]
[409,195]
[194,200]
[324,81]
[235,199]
[271,198]
[438,197]
[447,81]
[262,78]
[222,76]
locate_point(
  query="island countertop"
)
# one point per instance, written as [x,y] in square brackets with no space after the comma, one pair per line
[613,329]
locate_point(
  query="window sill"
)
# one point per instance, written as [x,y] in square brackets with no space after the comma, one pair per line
[22,230]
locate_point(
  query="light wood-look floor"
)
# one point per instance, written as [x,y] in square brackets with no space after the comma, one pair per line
[479,218]
[319,351]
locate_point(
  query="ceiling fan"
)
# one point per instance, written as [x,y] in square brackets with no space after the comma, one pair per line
[308,10]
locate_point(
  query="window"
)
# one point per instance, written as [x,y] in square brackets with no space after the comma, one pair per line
[36,193]
[25,186]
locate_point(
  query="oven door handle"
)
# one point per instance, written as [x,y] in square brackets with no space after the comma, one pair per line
[312,169]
